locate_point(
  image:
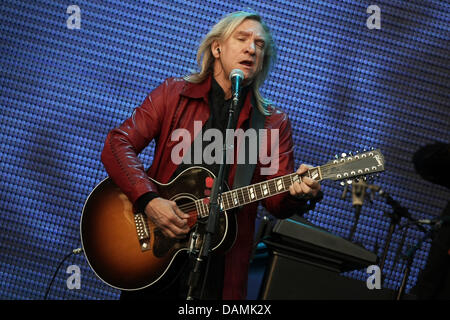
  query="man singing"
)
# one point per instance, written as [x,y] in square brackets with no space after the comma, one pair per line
[241,40]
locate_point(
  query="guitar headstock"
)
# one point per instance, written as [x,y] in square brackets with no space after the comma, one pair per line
[349,167]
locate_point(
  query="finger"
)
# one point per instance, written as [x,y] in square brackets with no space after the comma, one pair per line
[179,232]
[178,212]
[171,230]
[292,190]
[178,225]
[176,217]
[297,188]
[177,221]
[315,188]
[170,224]
[302,169]
[311,182]
[306,189]
[168,233]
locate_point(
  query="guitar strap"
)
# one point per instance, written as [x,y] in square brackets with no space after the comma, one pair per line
[244,172]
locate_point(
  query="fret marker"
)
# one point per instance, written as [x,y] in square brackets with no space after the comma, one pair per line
[265,190]
[235,199]
[252,193]
[279,184]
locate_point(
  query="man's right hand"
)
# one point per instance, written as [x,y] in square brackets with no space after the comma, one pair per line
[166,215]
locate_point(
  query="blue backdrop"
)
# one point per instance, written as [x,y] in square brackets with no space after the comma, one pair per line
[345,87]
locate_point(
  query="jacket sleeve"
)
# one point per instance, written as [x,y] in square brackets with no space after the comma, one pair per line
[123,144]
[284,205]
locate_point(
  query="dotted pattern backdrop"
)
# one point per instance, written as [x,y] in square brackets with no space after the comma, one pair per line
[345,87]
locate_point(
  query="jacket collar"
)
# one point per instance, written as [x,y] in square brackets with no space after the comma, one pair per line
[201,91]
[198,90]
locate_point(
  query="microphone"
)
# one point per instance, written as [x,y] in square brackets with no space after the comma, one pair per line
[236,78]
[440,220]
[398,209]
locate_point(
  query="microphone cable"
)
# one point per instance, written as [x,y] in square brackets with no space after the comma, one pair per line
[74,251]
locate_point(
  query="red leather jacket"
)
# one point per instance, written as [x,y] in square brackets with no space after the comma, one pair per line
[177,104]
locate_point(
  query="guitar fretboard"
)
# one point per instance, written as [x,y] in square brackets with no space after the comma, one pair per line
[258,191]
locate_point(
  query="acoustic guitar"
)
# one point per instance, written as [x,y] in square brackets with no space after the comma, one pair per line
[128,252]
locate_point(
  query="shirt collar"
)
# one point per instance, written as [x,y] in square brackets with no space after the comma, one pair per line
[202,89]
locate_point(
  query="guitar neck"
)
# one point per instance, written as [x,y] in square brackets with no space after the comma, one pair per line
[255,192]
[345,168]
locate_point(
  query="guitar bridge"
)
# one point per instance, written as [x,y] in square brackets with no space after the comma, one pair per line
[143,233]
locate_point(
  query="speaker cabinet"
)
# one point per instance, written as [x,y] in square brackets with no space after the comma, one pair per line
[289,277]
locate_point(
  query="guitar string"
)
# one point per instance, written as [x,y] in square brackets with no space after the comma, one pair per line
[241,198]
[192,206]
[272,191]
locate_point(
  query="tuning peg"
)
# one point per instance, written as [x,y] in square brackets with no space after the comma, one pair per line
[336,156]
[343,155]
[342,183]
[349,182]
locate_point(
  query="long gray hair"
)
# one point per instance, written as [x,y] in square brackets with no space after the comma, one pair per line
[221,31]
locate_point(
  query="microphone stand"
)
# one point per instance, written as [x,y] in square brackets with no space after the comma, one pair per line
[410,256]
[395,217]
[213,218]
[358,194]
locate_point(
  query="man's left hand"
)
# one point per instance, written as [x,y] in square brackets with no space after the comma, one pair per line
[307,189]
